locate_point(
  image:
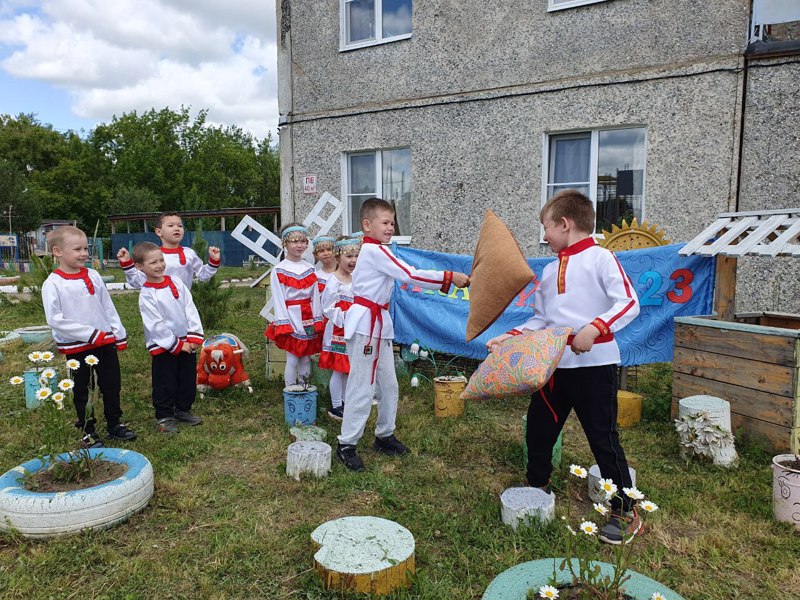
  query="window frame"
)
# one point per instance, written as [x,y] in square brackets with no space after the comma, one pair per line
[552,6]
[344,46]
[594,145]
[377,153]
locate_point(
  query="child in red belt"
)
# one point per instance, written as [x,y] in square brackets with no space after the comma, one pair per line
[587,290]
[336,300]
[298,324]
[182,262]
[85,323]
[172,333]
[369,332]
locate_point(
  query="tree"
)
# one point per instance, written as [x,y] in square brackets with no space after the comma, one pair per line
[26,213]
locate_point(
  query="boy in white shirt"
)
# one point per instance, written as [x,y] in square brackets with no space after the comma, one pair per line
[182,262]
[172,332]
[585,289]
[369,331]
[78,308]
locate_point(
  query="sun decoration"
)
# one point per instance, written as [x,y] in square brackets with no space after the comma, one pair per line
[633,236]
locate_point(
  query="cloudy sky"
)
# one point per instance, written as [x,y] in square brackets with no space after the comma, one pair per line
[76,63]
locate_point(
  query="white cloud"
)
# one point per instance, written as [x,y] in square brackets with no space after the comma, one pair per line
[123,55]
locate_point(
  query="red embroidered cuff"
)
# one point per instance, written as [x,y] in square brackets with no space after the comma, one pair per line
[601,326]
[126,264]
[448,280]
[178,348]
[121,346]
[194,339]
[214,263]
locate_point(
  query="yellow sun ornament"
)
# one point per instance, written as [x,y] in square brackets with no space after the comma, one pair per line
[632,237]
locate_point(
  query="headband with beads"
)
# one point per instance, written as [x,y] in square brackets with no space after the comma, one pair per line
[323,239]
[342,246]
[293,229]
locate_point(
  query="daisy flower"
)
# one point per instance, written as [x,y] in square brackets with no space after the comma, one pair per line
[649,506]
[633,493]
[66,384]
[49,373]
[608,486]
[16,380]
[588,527]
[73,365]
[47,356]
[35,356]
[92,360]
[58,398]
[657,596]
[548,591]
[43,393]
[601,508]
[578,471]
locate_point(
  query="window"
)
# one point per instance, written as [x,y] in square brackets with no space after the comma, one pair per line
[370,22]
[607,165]
[562,4]
[382,173]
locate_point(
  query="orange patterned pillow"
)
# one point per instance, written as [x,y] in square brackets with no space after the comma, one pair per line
[519,366]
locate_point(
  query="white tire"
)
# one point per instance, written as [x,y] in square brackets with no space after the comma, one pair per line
[44,515]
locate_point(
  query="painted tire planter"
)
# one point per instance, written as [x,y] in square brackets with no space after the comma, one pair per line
[514,583]
[35,334]
[53,514]
[10,339]
[300,405]
[785,491]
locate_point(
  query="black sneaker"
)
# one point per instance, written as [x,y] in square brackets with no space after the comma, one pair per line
[121,432]
[91,440]
[621,525]
[185,416]
[167,425]
[349,457]
[390,445]
[336,413]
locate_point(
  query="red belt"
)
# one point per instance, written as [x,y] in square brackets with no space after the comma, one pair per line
[376,315]
[602,339]
[306,313]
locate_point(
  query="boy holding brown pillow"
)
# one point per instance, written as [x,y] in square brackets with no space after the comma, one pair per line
[585,289]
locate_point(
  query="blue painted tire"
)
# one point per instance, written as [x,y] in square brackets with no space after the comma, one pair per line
[44,515]
[514,583]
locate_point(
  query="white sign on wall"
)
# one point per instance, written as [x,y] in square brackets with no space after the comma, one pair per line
[310,184]
[8,240]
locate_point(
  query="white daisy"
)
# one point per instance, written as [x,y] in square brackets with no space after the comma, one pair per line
[601,508]
[35,356]
[548,591]
[588,527]
[73,365]
[648,506]
[16,380]
[58,397]
[66,384]
[47,356]
[632,492]
[43,393]
[578,471]
[608,486]
[657,596]
[92,360]
[49,373]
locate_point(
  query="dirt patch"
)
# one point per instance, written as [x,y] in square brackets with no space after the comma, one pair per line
[103,471]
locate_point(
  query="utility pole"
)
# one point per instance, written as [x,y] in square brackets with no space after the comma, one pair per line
[10,206]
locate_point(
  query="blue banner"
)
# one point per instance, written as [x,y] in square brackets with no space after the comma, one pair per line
[668,286]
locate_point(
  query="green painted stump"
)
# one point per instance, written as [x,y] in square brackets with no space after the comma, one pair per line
[514,583]
[364,554]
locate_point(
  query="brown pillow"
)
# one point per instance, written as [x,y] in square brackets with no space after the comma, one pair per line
[499,273]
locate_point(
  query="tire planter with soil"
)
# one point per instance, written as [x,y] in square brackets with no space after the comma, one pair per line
[514,583]
[45,515]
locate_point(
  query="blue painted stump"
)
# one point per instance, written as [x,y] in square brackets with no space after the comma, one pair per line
[300,405]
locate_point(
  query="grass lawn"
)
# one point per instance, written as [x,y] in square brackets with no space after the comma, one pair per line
[226,522]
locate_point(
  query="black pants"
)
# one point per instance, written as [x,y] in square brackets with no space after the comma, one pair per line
[104,375]
[592,392]
[174,380]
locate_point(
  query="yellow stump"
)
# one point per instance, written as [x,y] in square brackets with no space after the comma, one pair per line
[276,361]
[629,408]
[448,401]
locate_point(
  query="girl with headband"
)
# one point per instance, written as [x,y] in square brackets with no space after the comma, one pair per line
[298,324]
[326,261]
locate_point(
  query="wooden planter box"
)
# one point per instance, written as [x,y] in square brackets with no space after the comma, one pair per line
[752,362]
